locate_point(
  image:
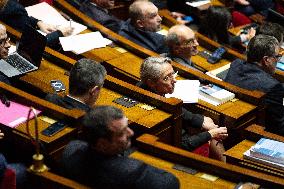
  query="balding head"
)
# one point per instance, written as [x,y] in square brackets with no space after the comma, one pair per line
[144,15]
[181,41]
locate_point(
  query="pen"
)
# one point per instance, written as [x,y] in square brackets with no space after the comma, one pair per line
[70,21]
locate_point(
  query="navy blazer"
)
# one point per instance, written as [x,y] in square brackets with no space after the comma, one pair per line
[250,76]
[67,102]
[149,40]
[16,16]
[83,164]
[101,16]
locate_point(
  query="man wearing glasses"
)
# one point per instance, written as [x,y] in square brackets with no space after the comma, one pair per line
[4,49]
[158,76]
[263,53]
[182,44]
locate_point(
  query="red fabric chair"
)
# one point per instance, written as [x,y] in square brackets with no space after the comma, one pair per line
[280,8]
[202,150]
[239,19]
[8,180]
[48,1]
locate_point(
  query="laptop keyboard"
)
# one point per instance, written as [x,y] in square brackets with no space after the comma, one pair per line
[20,64]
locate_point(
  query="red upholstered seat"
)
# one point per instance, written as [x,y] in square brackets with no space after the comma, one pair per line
[9,179]
[202,150]
[239,19]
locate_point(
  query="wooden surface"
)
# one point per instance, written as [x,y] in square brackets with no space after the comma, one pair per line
[186,180]
[150,144]
[235,156]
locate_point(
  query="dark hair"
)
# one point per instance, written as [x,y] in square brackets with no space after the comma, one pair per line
[84,75]
[272,29]
[97,120]
[215,24]
[260,46]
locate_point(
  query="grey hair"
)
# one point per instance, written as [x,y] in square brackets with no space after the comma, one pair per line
[150,68]
[260,46]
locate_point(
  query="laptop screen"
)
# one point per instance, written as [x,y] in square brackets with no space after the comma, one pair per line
[31,45]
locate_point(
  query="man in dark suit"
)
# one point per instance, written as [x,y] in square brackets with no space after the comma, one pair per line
[85,82]
[142,26]
[4,49]
[98,162]
[257,74]
[182,45]
[98,10]
[157,75]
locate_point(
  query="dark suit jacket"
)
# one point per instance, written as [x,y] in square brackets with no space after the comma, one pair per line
[149,40]
[101,16]
[16,16]
[66,102]
[188,120]
[250,76]
[83,164]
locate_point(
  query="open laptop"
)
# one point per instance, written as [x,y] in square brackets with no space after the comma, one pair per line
[28,56]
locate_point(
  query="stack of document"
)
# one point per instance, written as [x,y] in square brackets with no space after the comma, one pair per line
[198,3]
[49,15]
[215,95]
[84,42]
[268,152]
[186,90]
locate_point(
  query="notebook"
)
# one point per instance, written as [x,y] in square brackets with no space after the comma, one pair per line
[28,56]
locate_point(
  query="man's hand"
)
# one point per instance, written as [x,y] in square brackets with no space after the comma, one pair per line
[46,28]
[65,30]
[219,133]
[208,124]
[242,2]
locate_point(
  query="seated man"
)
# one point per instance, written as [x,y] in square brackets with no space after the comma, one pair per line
[157,75]
[15,15]
[142,26]
[182,45]
[85,82]
[98,162]
[257,74]
[97,10]
[4,49]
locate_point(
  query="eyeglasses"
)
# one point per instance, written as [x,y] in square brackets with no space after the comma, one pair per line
[190,41]
[4,41]
[277,57]
[172,75]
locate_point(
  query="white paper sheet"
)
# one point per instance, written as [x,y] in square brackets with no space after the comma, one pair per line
[49,15]
[186,90]
[84,42]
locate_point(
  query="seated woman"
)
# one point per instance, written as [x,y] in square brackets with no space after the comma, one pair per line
[216,23]
[15,15]
[157,75]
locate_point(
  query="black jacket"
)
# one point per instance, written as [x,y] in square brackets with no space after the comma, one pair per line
[67,102]
[189,119]
[149,40]
[83,164]
[250,76]
[16,16]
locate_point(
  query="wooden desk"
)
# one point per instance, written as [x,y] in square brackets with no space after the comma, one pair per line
[186,180]
[151,145]
[226,114]
[51,144]
[235,156]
